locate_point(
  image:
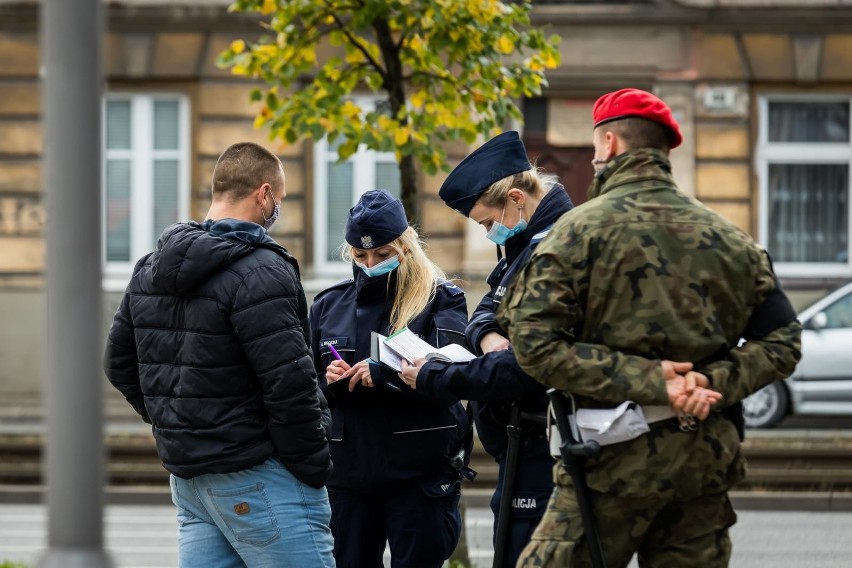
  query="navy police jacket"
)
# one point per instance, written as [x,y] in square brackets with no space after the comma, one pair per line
[388,432]
[494,380]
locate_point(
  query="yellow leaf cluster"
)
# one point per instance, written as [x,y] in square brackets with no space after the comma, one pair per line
[551,62]
[418,98]
[416,43]
[505,45]
[269,6]
[354,57]
[401,135]
[238,46]
[350,110]
[265,52]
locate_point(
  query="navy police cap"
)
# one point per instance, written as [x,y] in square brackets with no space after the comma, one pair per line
[377,219]
[500,157]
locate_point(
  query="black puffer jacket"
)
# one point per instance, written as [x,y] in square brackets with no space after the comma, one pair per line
[210,346]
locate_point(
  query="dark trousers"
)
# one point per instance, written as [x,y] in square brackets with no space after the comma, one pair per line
[419,520]
[533,487]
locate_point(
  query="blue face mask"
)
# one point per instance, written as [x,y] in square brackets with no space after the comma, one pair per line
[500,233]
[383,267]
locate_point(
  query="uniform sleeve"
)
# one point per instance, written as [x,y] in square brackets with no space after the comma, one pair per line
[450,319]
[541,313]
[121,364]
[772,347]
[268,318]
[493,376]
[482,321]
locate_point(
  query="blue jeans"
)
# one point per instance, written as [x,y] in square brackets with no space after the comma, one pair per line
[258,517]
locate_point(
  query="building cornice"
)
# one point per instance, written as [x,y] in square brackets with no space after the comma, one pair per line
[822,16]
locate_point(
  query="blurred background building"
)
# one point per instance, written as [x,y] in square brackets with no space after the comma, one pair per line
[762,89]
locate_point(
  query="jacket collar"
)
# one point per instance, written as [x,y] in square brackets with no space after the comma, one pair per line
[636,165]
[554,203]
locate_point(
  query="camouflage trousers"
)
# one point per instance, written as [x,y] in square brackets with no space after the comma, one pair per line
[663,533]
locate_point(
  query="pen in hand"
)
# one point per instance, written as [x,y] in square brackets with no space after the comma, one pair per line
[335,353]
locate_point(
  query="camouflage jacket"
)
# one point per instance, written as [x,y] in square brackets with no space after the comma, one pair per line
[640,273]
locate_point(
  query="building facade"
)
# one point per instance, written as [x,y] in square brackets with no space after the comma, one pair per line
[762,89]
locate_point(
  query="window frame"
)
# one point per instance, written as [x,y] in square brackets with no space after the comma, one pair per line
[801,153]
[142,155]
[364,179]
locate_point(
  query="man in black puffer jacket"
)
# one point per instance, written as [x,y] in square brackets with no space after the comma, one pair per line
[210,346]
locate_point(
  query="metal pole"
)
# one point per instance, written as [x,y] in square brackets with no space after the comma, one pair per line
[71,33]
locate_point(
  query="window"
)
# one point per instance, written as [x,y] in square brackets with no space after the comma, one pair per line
[804,161]
[337,186]
[145,177]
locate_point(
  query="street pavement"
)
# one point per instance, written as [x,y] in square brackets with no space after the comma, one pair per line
[145,536]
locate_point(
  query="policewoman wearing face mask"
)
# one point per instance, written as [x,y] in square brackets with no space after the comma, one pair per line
[497,187]
[391,446]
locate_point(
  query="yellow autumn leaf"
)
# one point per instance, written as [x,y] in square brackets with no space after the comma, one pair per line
[551,62]
[418,98]
[240,70]
[401,135]
[259,120]
[415,43]
[238,46]
[329,19]
[505,45]
[355,57]
[265,51]
[350,110]
[333,73]
[269,6]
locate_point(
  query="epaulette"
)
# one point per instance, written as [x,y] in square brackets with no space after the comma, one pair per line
[451,288]
[539,236]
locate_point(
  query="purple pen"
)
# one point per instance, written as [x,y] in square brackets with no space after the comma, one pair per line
[335,353]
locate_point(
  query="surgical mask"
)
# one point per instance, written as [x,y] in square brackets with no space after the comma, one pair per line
[383,267]
[500,233]
[276,211]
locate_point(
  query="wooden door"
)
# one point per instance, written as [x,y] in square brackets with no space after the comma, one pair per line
[573,165]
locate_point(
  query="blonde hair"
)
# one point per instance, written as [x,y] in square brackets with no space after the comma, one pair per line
[533,182]
[416,281]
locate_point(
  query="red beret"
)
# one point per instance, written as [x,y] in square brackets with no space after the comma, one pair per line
[633,102]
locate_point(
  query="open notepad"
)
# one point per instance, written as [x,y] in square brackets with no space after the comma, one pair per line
[405,345]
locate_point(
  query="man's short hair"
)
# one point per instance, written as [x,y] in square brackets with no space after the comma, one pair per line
[637,132]
[242,168]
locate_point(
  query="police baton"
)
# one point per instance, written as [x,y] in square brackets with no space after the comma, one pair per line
[513,448]
[574,454]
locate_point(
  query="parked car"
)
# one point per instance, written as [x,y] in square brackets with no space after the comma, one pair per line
[822,381]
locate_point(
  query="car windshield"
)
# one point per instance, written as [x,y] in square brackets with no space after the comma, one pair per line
[821,297]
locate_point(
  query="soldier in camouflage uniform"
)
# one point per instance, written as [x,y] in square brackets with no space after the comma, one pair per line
[638,278]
